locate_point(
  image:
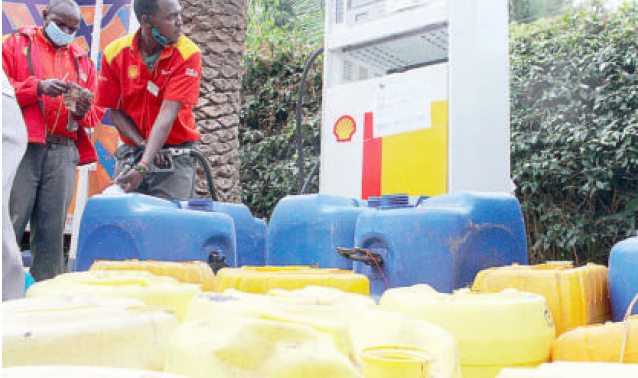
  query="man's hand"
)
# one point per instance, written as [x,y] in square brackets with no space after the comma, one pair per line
[52,87]
[82,106]
[130,181]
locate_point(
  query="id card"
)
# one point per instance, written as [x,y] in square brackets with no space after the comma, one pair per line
[153,88]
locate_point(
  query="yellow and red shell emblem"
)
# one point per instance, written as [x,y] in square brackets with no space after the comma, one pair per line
[344,129]
[133,72]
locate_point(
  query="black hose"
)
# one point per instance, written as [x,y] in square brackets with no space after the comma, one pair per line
[312,173]
[300,161]
[209,175]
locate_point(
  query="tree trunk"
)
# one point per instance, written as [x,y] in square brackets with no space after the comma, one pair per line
[218,27]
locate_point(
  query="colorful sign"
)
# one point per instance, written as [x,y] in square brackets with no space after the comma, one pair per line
[344,128]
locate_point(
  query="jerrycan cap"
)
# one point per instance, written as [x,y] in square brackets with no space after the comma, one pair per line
[200,204]
[374,201]
[395,201]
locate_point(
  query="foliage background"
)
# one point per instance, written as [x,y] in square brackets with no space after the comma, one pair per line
[574,121]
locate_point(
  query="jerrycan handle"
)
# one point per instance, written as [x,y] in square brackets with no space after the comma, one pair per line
[361,255]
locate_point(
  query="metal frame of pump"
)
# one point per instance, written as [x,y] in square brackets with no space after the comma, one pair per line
[476,84]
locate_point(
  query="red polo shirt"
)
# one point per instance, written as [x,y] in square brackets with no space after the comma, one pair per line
[125,83]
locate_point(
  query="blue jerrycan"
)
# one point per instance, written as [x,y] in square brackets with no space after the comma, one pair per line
[443,241]
[136,226]
[623,277]
[306,229]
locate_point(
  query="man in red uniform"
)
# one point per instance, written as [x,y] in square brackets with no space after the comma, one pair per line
[150,81]
[42,65]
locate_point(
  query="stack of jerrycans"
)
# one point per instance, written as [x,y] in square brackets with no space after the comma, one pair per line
[136,226]
[442,241]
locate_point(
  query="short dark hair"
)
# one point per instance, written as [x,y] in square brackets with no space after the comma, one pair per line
[144,7]
[55,3]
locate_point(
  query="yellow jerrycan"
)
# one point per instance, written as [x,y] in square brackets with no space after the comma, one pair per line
[142,285]
[324,296]
[81,372]
[492,330]
[260,345]
[599,343]
[195,272]
[260,280]
[85,330]
[576,296]
[369,327]
[573,370]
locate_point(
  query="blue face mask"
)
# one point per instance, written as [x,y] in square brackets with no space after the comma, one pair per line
[163,41]
[57,36]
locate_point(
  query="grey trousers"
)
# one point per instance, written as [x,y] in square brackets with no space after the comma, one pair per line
[176,185]
[14,142]
[41,193]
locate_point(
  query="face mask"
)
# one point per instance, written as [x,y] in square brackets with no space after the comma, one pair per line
[163,41]
[57,36]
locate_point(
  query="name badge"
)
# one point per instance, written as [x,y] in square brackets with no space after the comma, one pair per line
[153,88]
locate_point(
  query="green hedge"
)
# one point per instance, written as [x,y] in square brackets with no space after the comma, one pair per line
[268,139]
[574,123]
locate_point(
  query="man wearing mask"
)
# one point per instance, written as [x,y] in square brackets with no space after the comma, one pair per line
[150,81]
[43,65]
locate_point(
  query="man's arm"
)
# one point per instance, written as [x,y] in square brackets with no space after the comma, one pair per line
[126,127]
[162,127]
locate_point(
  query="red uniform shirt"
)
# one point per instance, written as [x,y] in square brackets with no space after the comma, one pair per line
[125,83]
[49,63]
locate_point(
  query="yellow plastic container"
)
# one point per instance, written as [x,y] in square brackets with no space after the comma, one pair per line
[492,330]
[324,296]
[599,343]
[260,280]
[573,370]
[395,362]
[576,296]
[85,331]
[369,327]
[142,285]
[81,372]
[195,272]
[263,345]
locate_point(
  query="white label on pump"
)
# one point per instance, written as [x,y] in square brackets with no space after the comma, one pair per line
[401,106]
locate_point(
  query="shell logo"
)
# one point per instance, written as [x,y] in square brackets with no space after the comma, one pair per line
[344,129]
[133,72]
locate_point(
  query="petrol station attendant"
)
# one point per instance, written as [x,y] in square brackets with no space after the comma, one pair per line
[150,81]
[43,64]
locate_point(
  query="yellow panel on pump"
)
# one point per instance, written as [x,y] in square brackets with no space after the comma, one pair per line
[416,162]
[142,285]
[600,343]
[260,280]
[196,272]
[576,296]
[510,328]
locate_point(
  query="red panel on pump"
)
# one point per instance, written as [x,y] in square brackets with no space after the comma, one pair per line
[372,154]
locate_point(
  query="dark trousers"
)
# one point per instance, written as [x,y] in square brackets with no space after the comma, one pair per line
[176,185]
[42,192]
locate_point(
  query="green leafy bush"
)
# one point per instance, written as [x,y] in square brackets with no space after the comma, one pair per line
[275,59]
[574,114]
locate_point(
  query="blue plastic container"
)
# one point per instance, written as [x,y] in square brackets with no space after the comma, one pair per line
[305,229]
[136,226]
[443,242]
[250,232]
[623,277]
